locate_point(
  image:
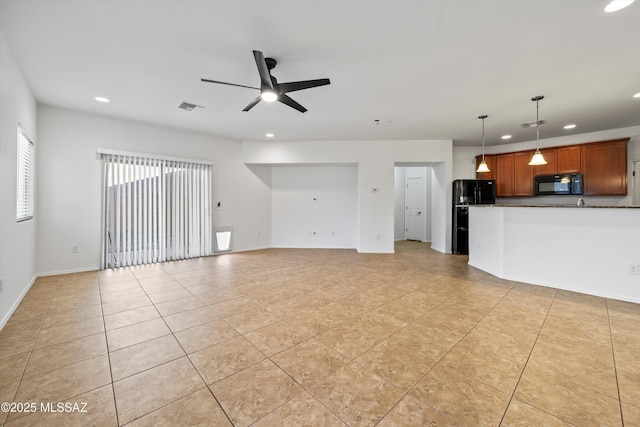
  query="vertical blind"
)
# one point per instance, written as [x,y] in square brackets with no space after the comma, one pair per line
[24,204]
[155,210]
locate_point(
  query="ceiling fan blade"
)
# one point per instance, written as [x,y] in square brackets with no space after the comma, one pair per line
[230,84]
[252,104]
[291,103]
[263,70]
[305,84]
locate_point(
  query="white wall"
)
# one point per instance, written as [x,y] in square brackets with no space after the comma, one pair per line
[69,183]
[441,209]
[17,240]
[464,162]
[398,204]
[376,161]
[314,206]
[587,250]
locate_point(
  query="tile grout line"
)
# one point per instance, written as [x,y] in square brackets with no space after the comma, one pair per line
[104,324]
[445,354]
[15,394]
[615,367]
[527,362]
[186,354]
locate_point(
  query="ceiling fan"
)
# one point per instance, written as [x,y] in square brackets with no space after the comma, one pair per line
[270,89]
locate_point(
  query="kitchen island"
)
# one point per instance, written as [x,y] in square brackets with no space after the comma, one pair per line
[591,249]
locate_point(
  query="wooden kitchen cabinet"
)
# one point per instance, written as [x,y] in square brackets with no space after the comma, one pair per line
[505,170]
[568,159]
[523,174]
[551,168]
[604,168]
[491,164]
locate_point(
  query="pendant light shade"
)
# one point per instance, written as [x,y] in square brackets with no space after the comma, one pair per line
[538,158]
[482,167]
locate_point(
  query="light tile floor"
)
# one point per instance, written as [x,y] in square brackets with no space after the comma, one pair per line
[321,338]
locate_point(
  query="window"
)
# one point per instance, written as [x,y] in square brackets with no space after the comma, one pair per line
[24,205]
[155,210]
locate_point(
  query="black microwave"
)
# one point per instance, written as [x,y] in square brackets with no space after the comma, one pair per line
[545,185]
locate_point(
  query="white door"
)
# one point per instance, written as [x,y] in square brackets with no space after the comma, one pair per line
[414,206]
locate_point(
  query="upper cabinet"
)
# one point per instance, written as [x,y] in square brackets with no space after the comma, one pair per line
[604,168]
[551,168]
[491,164]
[568,159]
[602,164]
[505,172]
[523,174]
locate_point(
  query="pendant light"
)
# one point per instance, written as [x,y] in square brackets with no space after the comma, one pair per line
[537,158]
[482,167]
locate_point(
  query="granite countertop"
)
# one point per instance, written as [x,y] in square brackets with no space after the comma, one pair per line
[558,206]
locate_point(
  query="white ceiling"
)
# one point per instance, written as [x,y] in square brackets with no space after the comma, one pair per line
[424,69]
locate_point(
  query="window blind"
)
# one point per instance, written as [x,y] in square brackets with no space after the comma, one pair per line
[155,210]
[24,204]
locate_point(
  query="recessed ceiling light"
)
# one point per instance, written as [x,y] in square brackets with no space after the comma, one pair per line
[506,137]
[571,126]
[637,95]
[101,99]
[616,5]
[269,135]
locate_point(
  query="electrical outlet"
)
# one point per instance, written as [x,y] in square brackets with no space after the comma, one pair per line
[75,249]
[634,269]
[259,234]
[1,284]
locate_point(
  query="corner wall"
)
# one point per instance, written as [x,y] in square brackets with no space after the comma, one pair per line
[315,206]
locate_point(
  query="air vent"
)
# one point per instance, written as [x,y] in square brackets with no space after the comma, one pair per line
[532,124]
[187,106]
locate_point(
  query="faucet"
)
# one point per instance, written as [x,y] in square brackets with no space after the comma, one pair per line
[580,202]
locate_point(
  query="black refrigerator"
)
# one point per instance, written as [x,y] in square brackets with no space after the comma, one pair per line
[468,192]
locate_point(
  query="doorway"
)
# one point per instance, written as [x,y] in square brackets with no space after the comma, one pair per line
[413,213]
[414,208]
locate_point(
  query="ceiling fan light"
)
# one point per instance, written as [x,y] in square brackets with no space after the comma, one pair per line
[268,96]
[537,159]
[616,5]
[482,167]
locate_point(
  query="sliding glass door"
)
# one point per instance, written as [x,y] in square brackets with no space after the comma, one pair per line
[155,210]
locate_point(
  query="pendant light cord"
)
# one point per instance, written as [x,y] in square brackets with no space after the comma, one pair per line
[484,116]
[537,124]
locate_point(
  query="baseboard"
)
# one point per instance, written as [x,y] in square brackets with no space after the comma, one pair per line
[15,305]
[257,248]
[313,247]
[74,270]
